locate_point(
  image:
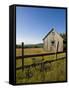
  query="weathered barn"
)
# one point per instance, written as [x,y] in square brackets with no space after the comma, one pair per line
[53,41]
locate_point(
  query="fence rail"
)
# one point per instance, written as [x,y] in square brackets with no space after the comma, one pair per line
[31,65]
[37,55]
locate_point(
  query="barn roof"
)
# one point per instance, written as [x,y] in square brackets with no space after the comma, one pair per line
[50,32]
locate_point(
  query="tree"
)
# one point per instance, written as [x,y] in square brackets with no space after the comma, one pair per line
[63,35]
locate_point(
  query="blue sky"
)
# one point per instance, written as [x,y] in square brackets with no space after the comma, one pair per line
[32,24]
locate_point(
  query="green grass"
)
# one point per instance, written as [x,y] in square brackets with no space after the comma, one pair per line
[55,71]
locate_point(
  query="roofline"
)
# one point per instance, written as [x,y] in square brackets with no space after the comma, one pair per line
[50,32]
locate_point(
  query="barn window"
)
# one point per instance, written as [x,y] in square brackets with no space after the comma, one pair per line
[52,42]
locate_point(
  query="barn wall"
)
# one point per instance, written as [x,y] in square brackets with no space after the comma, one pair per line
[45,44]
[58,38]
[49,38]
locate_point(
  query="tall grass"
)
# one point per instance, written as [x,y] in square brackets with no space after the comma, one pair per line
[55,71]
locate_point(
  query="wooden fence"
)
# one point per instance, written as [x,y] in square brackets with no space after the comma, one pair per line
[37,55]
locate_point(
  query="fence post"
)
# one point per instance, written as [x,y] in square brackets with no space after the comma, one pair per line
[22,56]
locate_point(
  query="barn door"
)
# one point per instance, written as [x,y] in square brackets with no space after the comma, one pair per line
[52,47]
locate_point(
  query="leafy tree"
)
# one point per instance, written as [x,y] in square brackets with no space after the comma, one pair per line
[64,40]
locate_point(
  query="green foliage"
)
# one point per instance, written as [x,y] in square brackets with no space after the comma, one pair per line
[34,45]
[18,46]
[40,45]
[64,40]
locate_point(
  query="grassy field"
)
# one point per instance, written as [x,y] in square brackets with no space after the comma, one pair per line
[28,51]
[55,71]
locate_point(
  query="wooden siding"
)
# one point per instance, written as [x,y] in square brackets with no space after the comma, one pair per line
[51,41]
